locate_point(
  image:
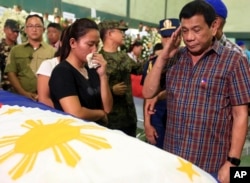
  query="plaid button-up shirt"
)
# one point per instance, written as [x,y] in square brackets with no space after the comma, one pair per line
[199,104]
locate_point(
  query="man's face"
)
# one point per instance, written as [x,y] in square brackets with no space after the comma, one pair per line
[34,29]
[137,50]
[220,22]
[196,34]
[53,35]
[10,35]
[117,36]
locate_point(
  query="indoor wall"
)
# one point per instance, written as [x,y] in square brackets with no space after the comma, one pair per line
[135,11]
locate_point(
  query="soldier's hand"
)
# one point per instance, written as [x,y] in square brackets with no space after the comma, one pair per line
[119,89]
[32,96]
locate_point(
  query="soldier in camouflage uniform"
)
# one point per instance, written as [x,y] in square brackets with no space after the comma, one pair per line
[11,30]
[119,67]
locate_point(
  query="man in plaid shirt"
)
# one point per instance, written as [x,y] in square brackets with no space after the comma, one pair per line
[207,92]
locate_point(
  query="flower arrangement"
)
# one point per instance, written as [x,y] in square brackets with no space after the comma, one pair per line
[129,40]
[9,13]
[148,41]
[147,45]
[155,36]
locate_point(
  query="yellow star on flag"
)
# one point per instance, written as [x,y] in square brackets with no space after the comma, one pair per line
[187,168]
[12,110]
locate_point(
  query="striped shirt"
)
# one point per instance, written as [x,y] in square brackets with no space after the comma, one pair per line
[226,42]
[199,104]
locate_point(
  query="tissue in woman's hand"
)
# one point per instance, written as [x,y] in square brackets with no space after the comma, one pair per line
[90,61]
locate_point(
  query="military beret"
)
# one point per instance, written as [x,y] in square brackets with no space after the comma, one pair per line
[219,7]
[111,25]
[240,43]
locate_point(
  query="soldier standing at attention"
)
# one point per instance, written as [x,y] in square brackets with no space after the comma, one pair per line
[11,31]
[120,66]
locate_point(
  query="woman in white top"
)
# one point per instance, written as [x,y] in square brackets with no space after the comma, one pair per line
[43,76]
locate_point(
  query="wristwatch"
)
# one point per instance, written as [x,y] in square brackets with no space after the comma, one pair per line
[233,161]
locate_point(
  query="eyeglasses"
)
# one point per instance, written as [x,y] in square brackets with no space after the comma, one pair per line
[34,26]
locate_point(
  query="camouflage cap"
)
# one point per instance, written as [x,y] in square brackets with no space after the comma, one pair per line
[12,24]
[111,25]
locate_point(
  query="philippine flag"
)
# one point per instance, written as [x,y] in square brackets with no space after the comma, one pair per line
[41,145]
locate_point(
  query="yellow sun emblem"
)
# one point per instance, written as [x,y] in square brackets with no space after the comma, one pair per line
[55,136]
[10,111]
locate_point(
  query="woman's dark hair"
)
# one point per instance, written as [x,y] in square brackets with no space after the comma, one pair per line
[198,7]
[78,29]
[136,43]
[34,15]
[58,52]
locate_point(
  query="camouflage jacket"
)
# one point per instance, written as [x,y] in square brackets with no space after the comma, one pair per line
[119,68]
[4,52]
